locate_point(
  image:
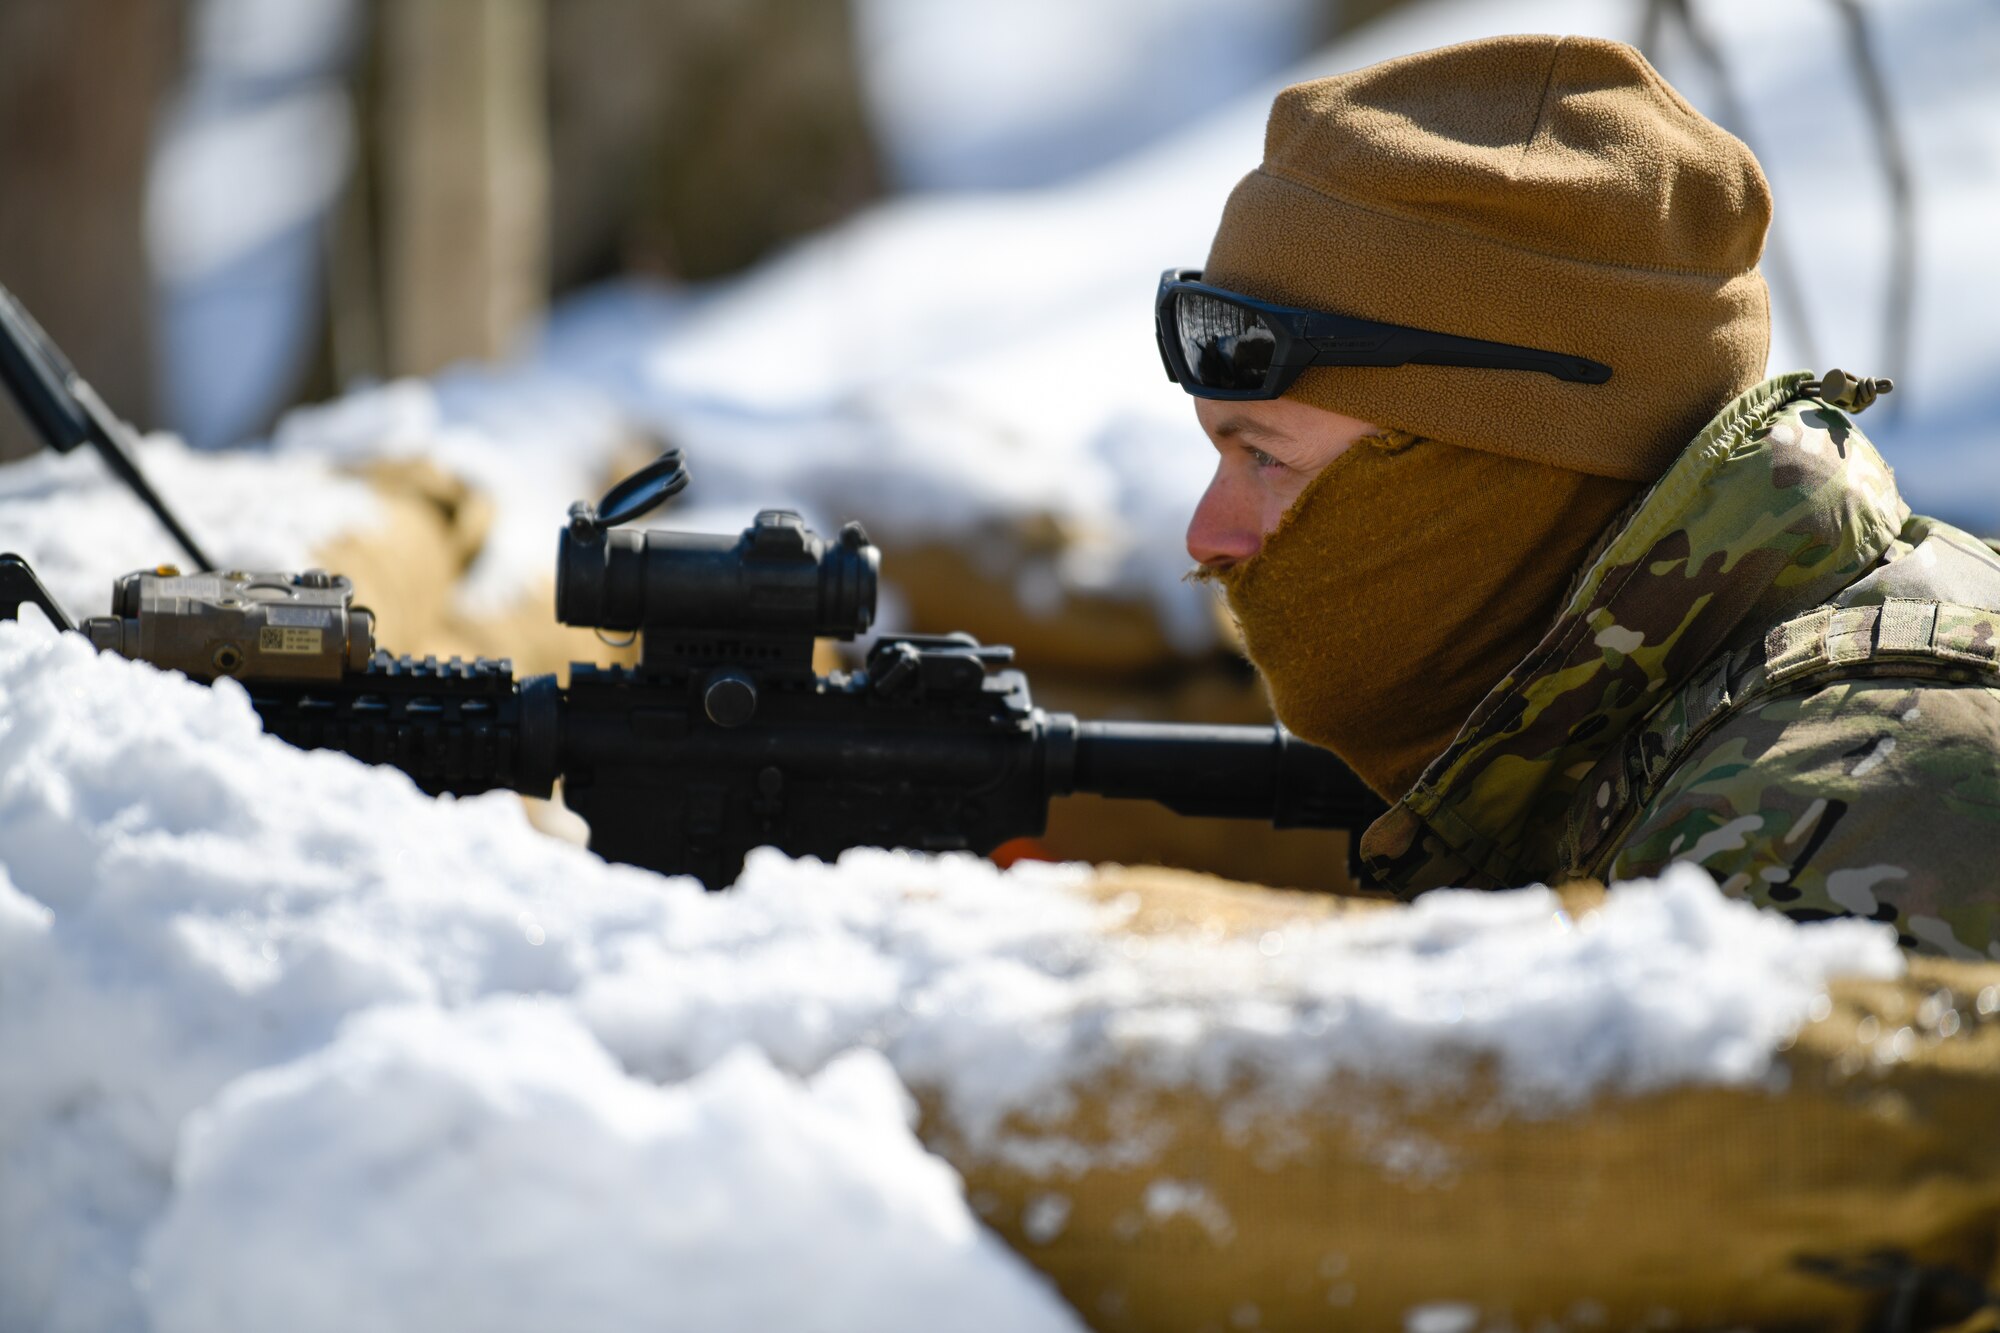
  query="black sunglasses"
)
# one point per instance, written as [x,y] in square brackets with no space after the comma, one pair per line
[1226,345]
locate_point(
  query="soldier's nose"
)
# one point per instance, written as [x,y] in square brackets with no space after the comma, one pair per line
[1224,529]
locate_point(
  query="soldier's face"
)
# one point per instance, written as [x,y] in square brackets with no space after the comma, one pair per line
[1267,453]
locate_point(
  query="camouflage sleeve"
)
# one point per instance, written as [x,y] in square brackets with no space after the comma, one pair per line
[1871,798]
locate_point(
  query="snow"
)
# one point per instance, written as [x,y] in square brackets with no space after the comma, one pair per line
[252,42]
[284,1043]
[1166,1198]
[295,149]
[1441,1317]
[190,916]
[960,365]
[988,94]
[253,150]
[80,529]
[494,1169]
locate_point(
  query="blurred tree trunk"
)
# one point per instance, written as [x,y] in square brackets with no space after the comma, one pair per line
[693,138]
[1347,15]
[80,83]
[515,148]
[464,177]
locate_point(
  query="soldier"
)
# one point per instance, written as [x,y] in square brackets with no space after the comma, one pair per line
[1511,519]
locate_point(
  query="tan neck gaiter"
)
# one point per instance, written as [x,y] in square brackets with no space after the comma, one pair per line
[1408,580]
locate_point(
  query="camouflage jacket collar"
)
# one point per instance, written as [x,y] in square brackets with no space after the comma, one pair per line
[1775,507]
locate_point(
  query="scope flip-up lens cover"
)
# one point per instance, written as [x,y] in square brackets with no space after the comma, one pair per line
[1224,345]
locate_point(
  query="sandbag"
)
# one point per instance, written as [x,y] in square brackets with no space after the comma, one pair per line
[1864,1169]
[407,571]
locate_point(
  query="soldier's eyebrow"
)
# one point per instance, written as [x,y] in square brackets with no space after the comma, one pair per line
[1236,427]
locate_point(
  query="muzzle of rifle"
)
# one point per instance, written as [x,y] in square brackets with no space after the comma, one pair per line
[1237,772]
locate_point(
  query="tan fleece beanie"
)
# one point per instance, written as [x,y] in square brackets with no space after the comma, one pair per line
[1552,192]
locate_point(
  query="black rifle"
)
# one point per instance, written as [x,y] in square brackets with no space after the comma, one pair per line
[723,736]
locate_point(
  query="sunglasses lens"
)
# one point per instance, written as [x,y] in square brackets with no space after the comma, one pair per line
[1225,345]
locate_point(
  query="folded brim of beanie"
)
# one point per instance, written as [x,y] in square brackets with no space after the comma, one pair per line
[1546,191]
[1680,344]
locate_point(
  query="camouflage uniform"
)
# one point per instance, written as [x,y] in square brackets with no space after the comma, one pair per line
[1771,667]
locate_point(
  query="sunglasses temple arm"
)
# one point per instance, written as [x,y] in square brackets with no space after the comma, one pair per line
[1443,349]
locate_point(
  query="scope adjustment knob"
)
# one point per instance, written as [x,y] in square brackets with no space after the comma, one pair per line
[729,698]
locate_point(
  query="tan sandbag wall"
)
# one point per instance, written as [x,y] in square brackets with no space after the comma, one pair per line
[1872,1157]
[407,570]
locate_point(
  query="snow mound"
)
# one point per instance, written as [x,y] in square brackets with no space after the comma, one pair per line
[494,1169]
[302,1047]
[251,992]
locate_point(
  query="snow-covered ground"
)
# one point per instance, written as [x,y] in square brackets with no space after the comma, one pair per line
[285,1044]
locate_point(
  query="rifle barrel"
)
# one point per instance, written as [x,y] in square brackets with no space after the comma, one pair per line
[1235,772]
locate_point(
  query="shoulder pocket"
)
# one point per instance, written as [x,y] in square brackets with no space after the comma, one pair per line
[1926,640]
